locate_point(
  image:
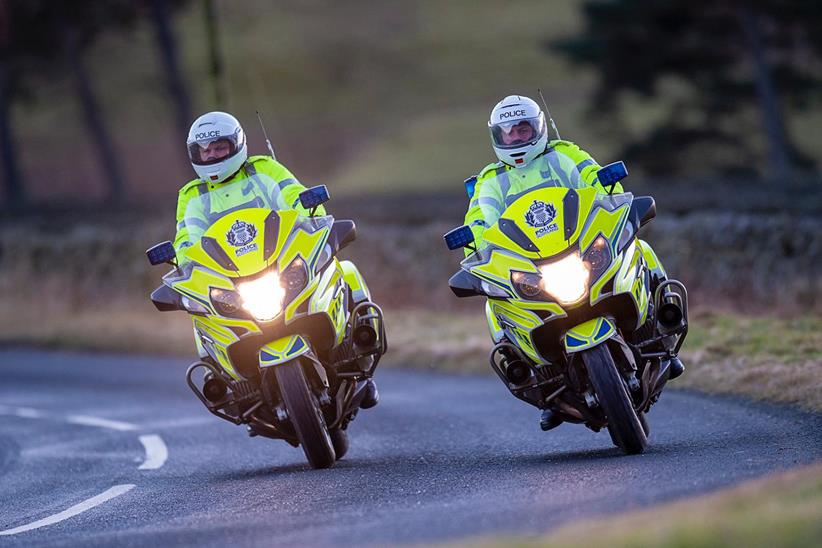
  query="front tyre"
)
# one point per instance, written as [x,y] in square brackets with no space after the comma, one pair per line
[623,423]
[304,413]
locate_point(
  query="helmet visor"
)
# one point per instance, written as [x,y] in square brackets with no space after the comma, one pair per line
[517,133]
[213,151]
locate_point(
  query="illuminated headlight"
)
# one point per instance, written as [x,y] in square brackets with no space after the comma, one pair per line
[566,279]
[263,297]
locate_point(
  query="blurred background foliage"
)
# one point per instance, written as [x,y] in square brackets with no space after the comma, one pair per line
[392,97]
[716,108]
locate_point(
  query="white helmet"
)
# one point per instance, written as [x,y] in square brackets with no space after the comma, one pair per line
[518,132]
[210,128]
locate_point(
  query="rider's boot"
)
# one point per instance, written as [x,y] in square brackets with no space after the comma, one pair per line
[372,396]
[676,367]
[549,420]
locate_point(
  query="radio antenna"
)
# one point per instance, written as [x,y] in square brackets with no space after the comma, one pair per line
[267,142]
[551,118]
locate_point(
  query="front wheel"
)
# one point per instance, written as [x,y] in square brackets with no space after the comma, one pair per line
[623,423]
[304,413]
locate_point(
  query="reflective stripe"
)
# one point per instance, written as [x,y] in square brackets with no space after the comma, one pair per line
[479,222]
[181,225]
[473,204]
[285,183]
[553,161]
[485,200]
[547,184]
[199,223]
[583,164]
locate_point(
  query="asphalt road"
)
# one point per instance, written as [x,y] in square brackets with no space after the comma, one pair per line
[99,450]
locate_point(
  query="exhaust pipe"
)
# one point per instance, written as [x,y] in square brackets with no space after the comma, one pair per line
[365,336]
[669,316]
[517,372]
[214,389]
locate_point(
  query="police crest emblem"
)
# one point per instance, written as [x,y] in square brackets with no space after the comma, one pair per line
[541,216]
[241,233]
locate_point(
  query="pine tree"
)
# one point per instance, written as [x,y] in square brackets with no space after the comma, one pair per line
[728,59]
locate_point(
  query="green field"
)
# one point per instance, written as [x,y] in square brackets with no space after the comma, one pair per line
[363,95]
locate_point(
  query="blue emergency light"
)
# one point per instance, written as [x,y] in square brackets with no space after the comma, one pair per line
[611,174]
[314,197]
[161,253]
[459,237]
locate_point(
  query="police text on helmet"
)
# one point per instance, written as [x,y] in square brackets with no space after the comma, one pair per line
[207,134]
[511,114]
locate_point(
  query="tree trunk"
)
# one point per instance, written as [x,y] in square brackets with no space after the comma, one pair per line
[13,179]
[217,75]
[778,145]
[94,116]
[15,193]
[168,52]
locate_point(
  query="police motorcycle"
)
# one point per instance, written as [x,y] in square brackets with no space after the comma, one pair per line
[288,335]
[584,327]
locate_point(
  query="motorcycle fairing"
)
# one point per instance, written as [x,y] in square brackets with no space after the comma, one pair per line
[267,231]
[283,350]
[355,281]
[597,216]
[589,334]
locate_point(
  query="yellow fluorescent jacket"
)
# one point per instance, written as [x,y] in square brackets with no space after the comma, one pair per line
[487,203]
[290,190]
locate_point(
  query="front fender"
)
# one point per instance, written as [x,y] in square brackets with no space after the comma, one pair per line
[589,334]
[283,350]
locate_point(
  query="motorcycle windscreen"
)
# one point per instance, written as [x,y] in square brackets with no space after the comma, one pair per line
[241,228]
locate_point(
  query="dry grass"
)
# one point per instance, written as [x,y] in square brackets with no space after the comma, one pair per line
[783,510]
[777,359]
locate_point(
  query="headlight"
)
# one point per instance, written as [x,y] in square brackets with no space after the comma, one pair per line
[294,278]
[566,279]
[598,257]
[227,302]
[527,284]
[263,297]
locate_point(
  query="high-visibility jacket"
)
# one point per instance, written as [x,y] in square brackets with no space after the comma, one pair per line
[288,198]
[563,164]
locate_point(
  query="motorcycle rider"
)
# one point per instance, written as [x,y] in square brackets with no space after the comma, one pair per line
[218,154]
[519,136]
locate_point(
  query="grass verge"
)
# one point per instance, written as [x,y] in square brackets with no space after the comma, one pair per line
[764,357]
[782,510]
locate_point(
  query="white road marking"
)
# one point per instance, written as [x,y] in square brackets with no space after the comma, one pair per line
[87,504]
[156,452]
[28,413]
[102,423]
[85,420]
